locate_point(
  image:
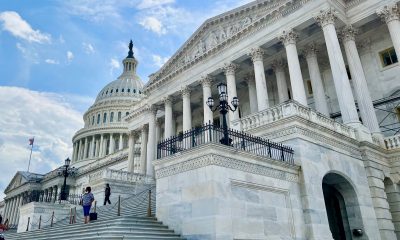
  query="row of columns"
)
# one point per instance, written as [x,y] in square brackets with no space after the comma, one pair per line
[258,89]
[93,147]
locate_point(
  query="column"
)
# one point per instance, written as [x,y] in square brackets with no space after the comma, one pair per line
[143,149]
[206,82]
[131,152]
[85,148]
[168,117]
[97,149]
[6,209]
[174,124]
[326,20]
[390,14]
[316,81]
[121,141]
[288,38]
[80,149]
[279,68]
[74,152]
[361,90]
[229,70]
[151,144]
[92,146]
[251,85]
[101,151]
[13,203]
[187,112]
[158,132]
[112,144]
[19,205]
[259,74]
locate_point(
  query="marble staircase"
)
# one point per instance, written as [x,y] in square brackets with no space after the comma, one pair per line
[132,223]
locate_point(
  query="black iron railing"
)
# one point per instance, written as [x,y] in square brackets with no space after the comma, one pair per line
[236,139]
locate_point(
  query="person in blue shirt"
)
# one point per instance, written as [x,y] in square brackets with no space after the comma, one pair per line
[87,200]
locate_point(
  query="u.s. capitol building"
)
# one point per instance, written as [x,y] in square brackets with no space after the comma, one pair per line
[312,150]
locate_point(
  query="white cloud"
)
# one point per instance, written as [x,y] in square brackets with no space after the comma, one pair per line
[13,23]
[153,24]
[114,64]
[28,52]
[51,61]
[88,48]
[159,61]
[70,56]
[153,3]
[49,117]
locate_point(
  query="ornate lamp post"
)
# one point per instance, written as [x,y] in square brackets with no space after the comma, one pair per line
[66,171]
[224,108]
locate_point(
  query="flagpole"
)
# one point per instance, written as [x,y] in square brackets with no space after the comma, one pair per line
[30,156]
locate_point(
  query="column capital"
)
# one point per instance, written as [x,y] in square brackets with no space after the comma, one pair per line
[288,37]
[348,33]
[326,17]
[166,100]
[185,91]
[389,12]
[310,51]
[278,65]
[256,54]
[249,79]
[206,81]
[144,128]
[229,68]
[152,110]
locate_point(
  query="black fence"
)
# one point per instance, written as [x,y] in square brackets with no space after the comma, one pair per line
[42,196]
[236,139]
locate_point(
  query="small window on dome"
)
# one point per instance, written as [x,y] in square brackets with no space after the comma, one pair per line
[119,116]
[111,91]
[93,118]
[98,118]
[123,90]
[105,118]
[129,90]
[107,92]
[127,113]
[134,90]
[140,92]
[116,90]
[112,117]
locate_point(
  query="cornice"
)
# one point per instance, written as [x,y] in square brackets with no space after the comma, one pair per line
[212,159]
[172,68]
[86,132]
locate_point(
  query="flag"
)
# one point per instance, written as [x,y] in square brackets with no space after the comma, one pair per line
[31,140]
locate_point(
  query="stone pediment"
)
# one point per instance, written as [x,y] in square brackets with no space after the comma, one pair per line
[218,30]
[20,178]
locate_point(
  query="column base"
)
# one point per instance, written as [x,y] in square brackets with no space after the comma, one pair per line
[363,133]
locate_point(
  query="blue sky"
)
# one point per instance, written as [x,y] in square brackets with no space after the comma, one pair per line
[55,56]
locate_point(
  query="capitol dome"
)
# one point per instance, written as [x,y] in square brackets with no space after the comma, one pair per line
[105,132]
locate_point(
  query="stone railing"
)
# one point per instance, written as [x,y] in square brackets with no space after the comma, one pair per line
[291,109]
[109,159]
[120,175]
[392,142]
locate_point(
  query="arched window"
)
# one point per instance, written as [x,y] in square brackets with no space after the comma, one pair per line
[119,116]
[134,90]
[129,90]
[93,120]
[111,116]
[105,118]
[111,91]
[98,118]
[127,113]
[123,90]
[107,92]
[116,90]
[140,92]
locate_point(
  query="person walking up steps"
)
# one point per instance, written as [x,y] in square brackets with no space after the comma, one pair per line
[87,200]
[107,193]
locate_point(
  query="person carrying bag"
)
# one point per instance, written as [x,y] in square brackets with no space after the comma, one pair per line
[86,201]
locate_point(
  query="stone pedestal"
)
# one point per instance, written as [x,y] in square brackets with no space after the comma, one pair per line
[34,210]
[217,192]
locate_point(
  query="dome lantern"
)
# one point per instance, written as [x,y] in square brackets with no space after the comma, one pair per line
[129,62]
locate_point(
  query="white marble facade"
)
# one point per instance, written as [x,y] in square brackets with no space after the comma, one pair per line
[309,74]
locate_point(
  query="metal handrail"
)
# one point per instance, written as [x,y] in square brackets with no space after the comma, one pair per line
[215,134]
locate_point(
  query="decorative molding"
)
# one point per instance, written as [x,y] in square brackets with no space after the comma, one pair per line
[326,17]
[348,33]
[167,100]
[389,13]
[288,37]
[310,51]
[229,68]
[206,81]
[256,54]
[223,161]
[278,65]
[185,91]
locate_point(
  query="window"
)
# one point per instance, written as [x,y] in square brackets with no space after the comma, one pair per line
[398,113]
[140,92]
[129,90]
[123,90]
[119,116]
[111,91]
[111,116]
[98,118]
[107,92]
[127,113]
[348,72]
[105,118]
[134,90]
[116,90]
[309,87]
[388,57]
[93,120]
